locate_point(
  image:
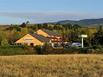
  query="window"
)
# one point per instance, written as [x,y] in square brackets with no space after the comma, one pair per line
[27,39]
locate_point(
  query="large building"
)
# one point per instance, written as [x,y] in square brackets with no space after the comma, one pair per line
[33,40]
[41,37]
[53,36]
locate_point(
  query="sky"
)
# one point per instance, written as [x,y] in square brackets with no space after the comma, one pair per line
[40,11]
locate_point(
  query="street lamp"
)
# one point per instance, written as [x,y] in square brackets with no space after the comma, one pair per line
[83,36]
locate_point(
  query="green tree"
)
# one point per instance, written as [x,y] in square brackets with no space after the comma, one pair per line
[27,22]
[23,25]
[76,27]
[15,35]
[4,42]
[24,31]
[98,37]
[100,29]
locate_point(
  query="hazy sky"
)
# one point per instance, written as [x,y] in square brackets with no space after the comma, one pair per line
[38,11]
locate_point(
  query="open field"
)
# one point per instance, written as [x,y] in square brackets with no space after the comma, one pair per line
[51,66]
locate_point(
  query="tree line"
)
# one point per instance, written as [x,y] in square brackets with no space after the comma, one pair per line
[70,32]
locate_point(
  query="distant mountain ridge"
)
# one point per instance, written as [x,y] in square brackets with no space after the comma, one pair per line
[83,22]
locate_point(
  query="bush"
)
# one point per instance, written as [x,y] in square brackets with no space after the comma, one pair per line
[38,49]
[15,50]
[4,42]
[83,50]
[70,50]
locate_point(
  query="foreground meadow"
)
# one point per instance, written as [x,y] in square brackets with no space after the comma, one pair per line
[52,66]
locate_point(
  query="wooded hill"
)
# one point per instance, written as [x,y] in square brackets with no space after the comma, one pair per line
[85,22]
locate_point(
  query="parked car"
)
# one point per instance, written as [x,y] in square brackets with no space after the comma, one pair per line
[76,44]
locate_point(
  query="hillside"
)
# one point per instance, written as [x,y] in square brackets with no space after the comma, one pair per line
[83,22]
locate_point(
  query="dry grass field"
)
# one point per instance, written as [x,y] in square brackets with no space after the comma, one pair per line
[52,66]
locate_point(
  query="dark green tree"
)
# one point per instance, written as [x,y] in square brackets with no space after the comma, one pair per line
[23,25]
[98,37]
[4,42]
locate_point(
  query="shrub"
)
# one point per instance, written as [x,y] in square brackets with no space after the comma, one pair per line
[38,49]
[15,50]
[4,42]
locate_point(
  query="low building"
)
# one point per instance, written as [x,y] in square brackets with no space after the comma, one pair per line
[33,40]
[41,37]
[53,36]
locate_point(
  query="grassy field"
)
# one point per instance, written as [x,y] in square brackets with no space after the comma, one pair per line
[52,66]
